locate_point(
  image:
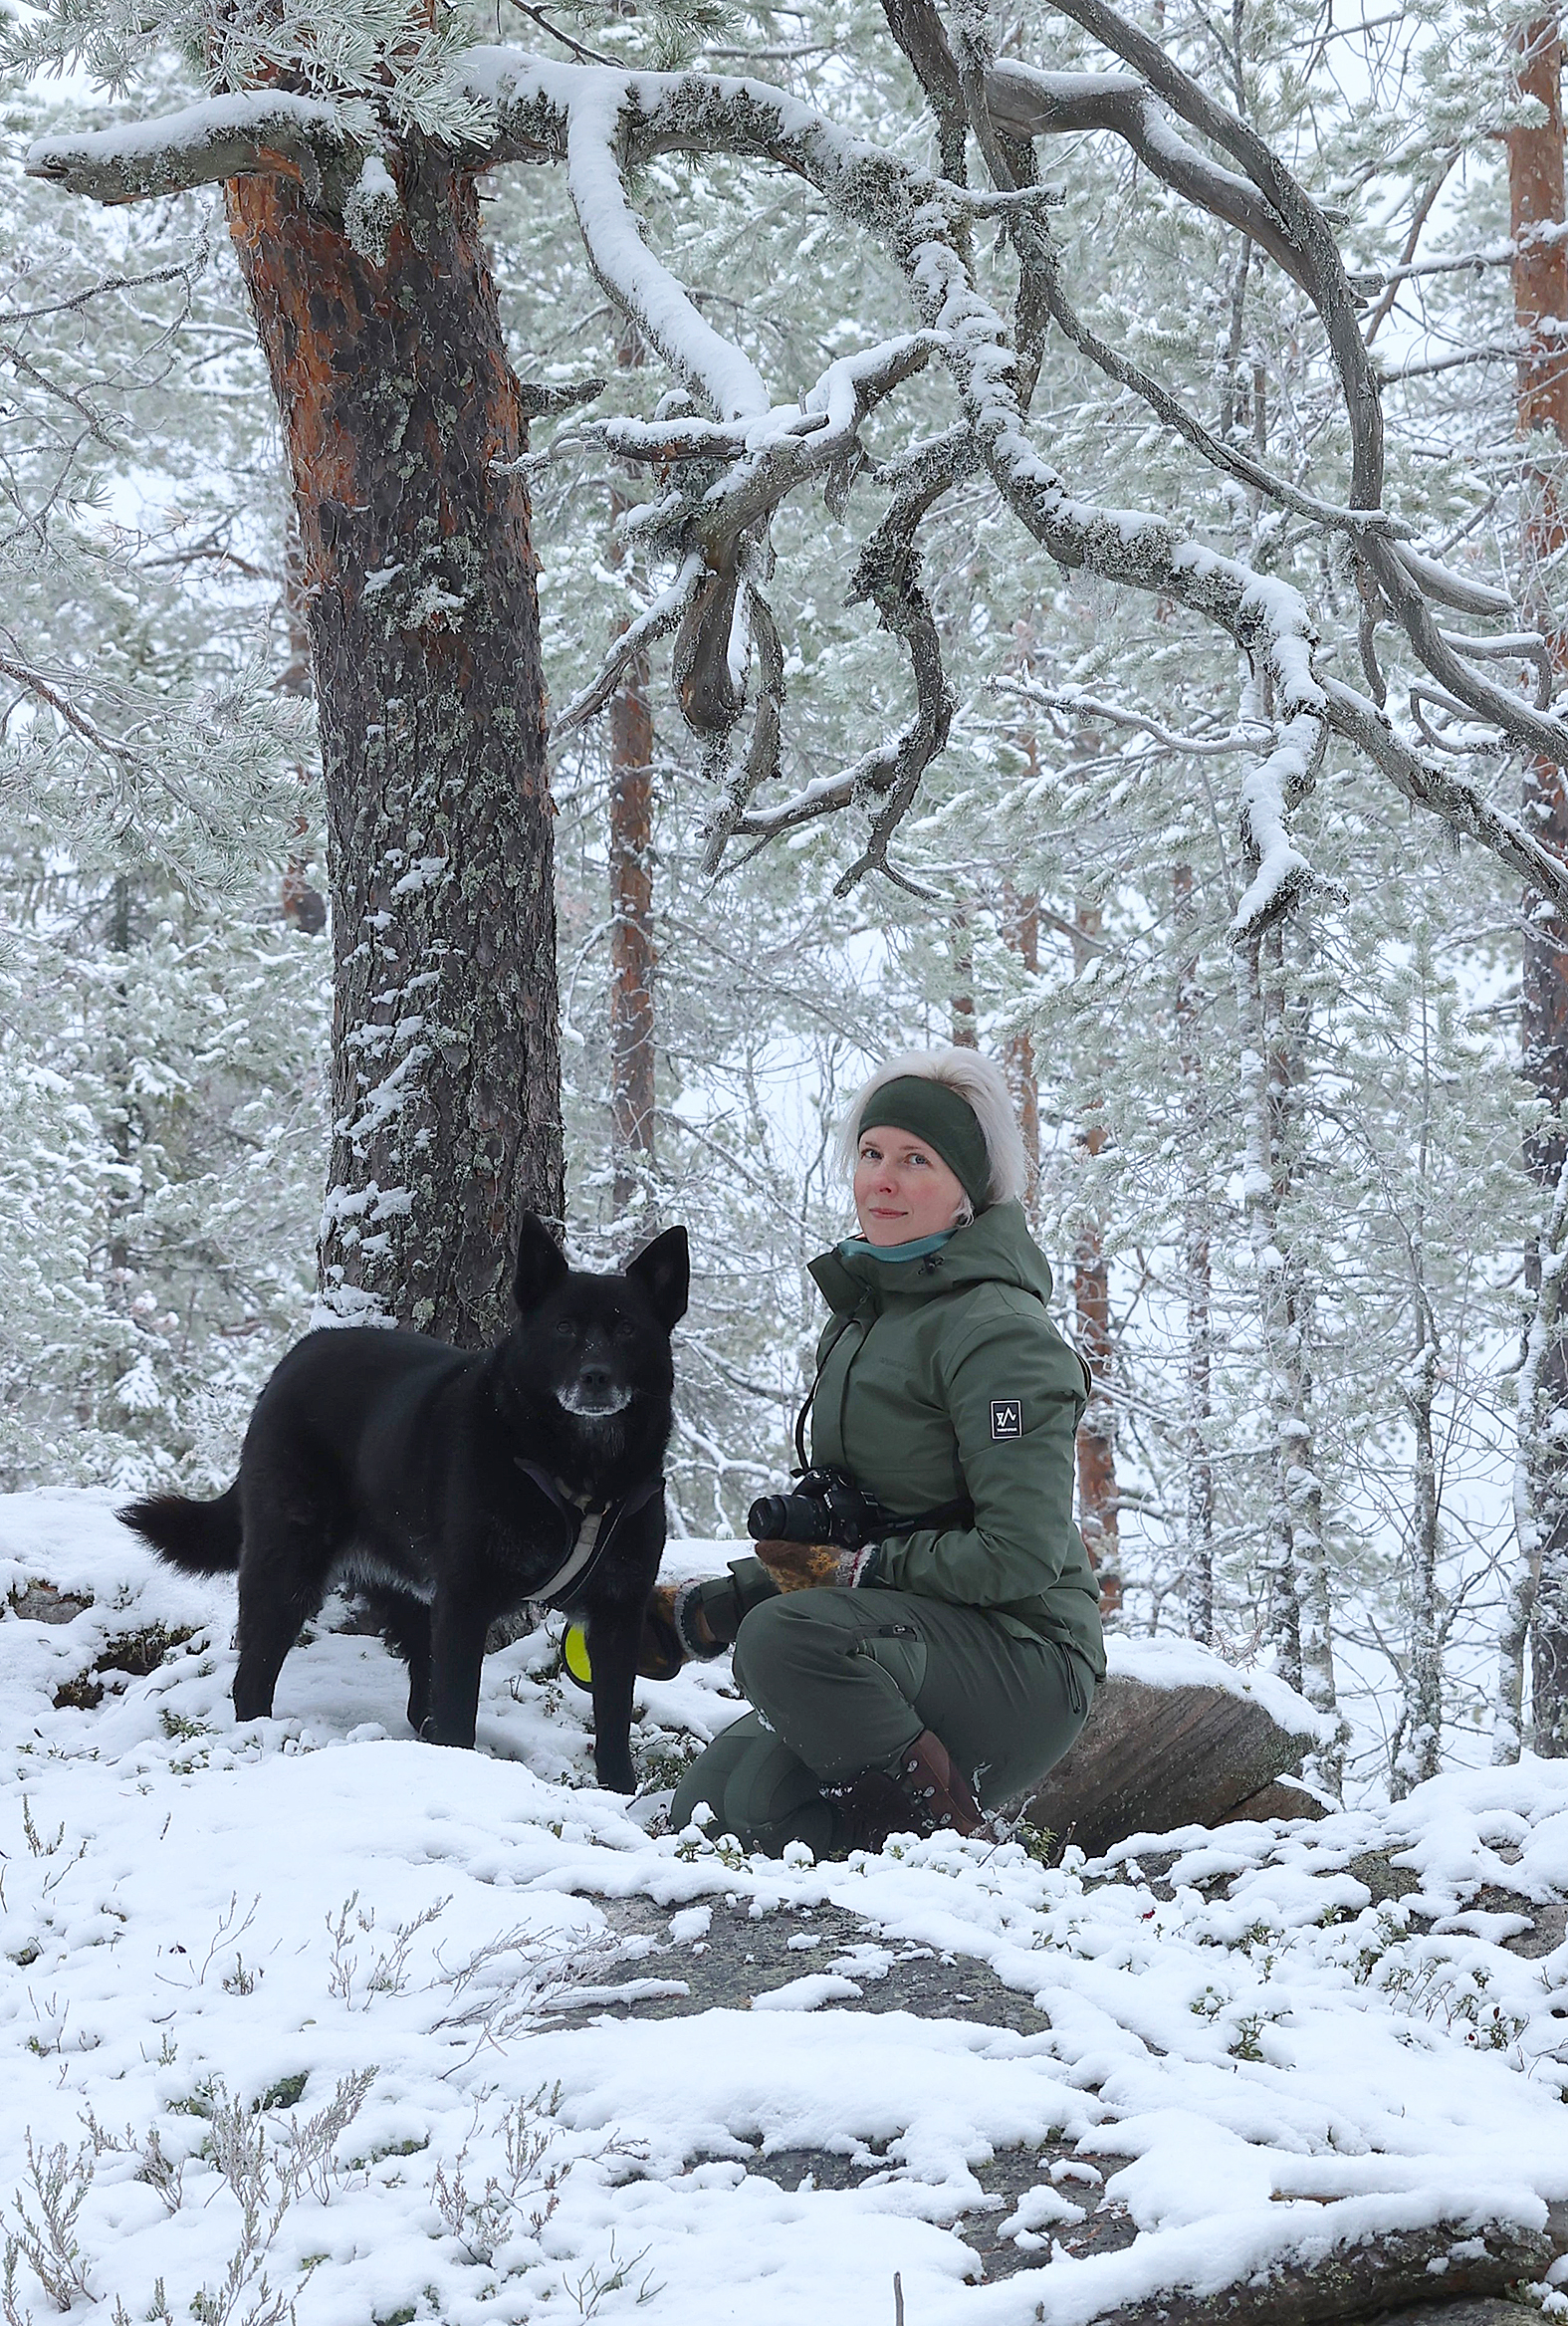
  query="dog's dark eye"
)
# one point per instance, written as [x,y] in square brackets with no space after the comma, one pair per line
[566,1331]
[623,1329]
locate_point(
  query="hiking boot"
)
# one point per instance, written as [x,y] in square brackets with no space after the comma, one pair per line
[925,1793]
[866,1812]
[931,1781]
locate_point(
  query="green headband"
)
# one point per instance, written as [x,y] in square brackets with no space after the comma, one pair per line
[936,1113]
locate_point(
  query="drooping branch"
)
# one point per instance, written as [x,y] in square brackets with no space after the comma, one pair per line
[917,27]
[1302,232]
[888,575]
[1318,265]
[656,622]
[1028,102]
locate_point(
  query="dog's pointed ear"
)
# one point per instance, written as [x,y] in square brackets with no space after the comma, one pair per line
[664,1271]
[541,1263]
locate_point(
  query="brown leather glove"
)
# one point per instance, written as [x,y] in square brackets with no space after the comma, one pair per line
[807,1566]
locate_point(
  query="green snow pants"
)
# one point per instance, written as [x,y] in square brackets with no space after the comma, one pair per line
[842,1681]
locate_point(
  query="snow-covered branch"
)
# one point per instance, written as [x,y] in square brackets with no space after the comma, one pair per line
[255,132]
[603,124]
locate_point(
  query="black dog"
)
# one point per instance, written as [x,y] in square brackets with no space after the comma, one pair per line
[452,1489]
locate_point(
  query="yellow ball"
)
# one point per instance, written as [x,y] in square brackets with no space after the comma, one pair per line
[574,1656]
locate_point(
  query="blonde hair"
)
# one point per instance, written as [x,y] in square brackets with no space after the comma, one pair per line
[980,1083]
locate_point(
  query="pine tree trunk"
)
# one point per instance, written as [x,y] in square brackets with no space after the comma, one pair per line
[299,901]
[961,954]
[1421,1724]
[631,940]
[1540,1502]
[401,413]
[1540,303]
[1294,1563]
[1197,1280]
[1099,1501]
[1303,1488]
[1023,914]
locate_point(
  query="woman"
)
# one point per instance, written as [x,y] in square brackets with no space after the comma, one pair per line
[946,1666]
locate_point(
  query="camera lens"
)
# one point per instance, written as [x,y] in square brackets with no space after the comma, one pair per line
[768,1518]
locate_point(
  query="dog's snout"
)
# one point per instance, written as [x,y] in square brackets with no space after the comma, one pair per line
[595,1379]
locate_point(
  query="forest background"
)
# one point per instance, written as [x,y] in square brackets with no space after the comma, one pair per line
[1299,1172]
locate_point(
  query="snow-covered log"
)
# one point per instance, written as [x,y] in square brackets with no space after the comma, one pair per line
[1364,2279]
[1174,1737]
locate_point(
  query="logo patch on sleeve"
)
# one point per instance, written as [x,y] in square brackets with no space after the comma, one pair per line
[1007,1417]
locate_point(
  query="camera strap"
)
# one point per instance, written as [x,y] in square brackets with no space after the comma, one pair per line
[809,1398]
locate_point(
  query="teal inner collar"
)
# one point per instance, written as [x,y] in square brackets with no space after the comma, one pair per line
[856,1247]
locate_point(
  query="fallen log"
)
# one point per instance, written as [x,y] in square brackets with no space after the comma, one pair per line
[1402,2268]
[1174,1737]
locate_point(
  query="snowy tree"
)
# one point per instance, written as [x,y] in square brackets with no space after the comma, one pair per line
[352,152]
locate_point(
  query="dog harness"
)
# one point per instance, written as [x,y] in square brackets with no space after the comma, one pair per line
[593,1532]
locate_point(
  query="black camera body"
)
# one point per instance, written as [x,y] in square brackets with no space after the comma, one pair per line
[825,1506]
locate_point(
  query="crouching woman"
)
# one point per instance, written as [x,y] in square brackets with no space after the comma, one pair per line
[939,1670]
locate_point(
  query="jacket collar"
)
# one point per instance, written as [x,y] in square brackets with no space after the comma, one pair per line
[996,1248]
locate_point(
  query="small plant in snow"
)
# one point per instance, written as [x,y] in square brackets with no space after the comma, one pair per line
[588,2290]
[519,2199]
[155,2167]
[389,1973]
[37,1845]
[46,2238]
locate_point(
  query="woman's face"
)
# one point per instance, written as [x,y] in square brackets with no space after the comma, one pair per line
[903,1189]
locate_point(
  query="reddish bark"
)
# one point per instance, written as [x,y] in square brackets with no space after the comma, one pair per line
[1099,1502]
[961,954]
[400,414]
[1541,304]
[1540,262]
[1024,927]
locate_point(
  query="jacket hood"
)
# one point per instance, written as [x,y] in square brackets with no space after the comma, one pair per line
[995,1249]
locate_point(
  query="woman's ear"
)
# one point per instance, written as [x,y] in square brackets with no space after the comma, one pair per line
[663,1269]
[541,1265]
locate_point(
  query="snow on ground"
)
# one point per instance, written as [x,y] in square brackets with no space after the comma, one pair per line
[304,2012]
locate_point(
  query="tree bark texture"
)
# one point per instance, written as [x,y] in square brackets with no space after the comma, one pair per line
[1197,1269]
[1299,1610]
[400,413]
[1149,1759]
[1024,928]
[1420,1726]
[1099,1500]
[631,938]
[1541,299]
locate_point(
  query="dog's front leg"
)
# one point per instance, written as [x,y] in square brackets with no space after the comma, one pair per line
[613,1636]
[458,1625]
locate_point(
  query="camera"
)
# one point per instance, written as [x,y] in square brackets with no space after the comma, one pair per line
[827,1505]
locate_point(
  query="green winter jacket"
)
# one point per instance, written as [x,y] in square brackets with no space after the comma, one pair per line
[944,1377]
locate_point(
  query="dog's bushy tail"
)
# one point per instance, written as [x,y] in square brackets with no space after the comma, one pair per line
[201,1538]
